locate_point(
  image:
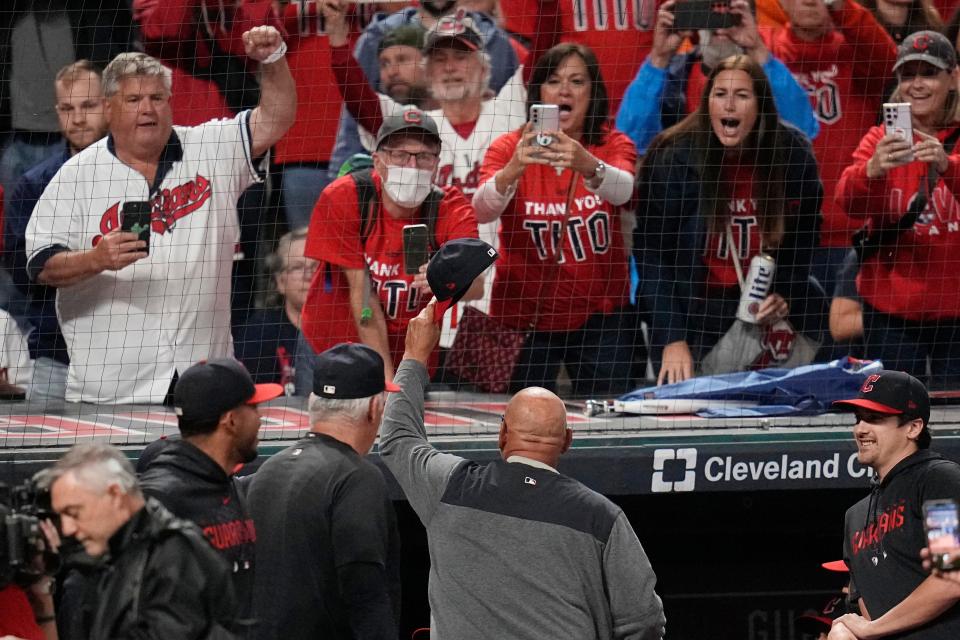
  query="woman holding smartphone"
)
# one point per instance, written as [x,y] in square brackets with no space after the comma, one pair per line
[911,287]
[563,266]
[729,171]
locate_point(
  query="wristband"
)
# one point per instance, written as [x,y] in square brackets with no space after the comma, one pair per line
[276,55]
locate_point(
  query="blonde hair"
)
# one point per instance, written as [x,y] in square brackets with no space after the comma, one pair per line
[132,64]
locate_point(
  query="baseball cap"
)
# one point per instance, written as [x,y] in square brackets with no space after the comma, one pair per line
[927,46]
[836,565]
[893,393]
[453,269]
[406,35]
[820,621]
[210,388]
[409,119]
[455,30]
[348,371]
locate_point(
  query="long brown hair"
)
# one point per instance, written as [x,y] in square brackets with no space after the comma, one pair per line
[764,149]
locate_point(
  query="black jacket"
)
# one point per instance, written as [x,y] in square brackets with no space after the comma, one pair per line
[883,535]
[671,234]
[194,487]
[162,580]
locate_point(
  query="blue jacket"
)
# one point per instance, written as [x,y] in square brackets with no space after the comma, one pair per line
[671,234]
[46,341]
[657,99]
[503,59]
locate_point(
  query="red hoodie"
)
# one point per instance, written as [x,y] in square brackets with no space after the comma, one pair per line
[917,278]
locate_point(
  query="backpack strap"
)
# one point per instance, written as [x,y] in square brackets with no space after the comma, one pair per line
[429,212]
[366,201]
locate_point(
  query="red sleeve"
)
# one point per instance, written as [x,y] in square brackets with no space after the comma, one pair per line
[361,101]
[455,219]
[250,14]
[619,151]
[17,619]
[857,194]
[166,19]
[498,154]
[334,233]
[873,47]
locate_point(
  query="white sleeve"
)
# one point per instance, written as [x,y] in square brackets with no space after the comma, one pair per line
[14,355]
[616,187]
[53,221]
[488,203]
[227,147]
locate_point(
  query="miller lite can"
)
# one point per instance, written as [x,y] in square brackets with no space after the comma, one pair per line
[756,287]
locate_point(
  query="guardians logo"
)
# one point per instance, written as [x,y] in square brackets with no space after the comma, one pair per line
[873,533]
[168,206]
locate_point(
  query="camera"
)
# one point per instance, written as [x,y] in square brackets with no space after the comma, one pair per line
[21,539]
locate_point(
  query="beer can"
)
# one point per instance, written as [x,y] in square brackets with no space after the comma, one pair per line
[756,287]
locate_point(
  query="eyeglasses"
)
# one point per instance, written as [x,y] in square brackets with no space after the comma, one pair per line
[399,157]
[920,71]
[304,268]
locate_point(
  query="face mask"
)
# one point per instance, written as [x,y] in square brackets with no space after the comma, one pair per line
[437,8]
[408,186]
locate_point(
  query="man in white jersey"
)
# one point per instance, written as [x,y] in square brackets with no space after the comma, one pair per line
[133,315]
[469,119]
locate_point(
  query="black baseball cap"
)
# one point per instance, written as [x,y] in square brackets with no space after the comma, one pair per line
[453,269]
[406,35]
[348,371]
[893,393]
[454,31]
[927,46]
[821,621]
[210,388]
[409,119]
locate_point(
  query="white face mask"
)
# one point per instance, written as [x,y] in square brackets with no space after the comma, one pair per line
[408,186]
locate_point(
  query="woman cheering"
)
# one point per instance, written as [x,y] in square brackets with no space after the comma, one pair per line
[727,183]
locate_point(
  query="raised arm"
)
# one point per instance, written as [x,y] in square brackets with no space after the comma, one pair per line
[278,92]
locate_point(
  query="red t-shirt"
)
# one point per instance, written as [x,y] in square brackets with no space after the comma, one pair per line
[592,276]
[16,615]
[845,73]
[334,240]
[917,279]
[620,33]
[745,229]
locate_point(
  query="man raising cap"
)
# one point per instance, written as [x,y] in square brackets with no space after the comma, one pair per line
[216,406]
[328,547]
[883,533]
[518,550]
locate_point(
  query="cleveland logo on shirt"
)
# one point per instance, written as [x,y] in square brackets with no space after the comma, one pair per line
[169,205]
[873,533]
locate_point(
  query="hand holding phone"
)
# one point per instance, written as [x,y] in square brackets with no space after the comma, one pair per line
[941,523]
[415,248]
[692,15]
[544,119]
[135,218]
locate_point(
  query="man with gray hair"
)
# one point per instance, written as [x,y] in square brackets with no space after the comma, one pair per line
[136,308]
[163,580]
[327,541]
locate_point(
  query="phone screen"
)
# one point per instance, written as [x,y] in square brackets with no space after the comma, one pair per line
[135,218]
[940,521]
[415,248]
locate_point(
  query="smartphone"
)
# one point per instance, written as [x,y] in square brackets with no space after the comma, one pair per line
[897,120]
[544,117]
[135,218]
[415,248]
[691,15]
[941,523]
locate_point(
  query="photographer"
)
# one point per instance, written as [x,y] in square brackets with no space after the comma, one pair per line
[573,291]
[907,189]
[26,600]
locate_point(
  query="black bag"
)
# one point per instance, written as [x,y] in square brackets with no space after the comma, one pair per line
[868,242]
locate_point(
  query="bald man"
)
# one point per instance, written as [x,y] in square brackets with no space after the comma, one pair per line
[517,550]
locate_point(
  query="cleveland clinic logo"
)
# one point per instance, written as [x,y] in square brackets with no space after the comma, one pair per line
[659,483]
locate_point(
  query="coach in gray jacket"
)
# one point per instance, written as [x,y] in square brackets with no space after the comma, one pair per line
[517,550]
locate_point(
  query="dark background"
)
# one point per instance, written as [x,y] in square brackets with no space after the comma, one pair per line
[729,565]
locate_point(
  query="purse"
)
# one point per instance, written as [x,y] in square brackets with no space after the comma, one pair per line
[485,351]
[746,346]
